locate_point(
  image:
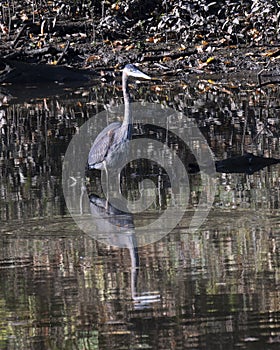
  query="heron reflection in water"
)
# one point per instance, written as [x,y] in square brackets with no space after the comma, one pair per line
[110,144]
[116,228]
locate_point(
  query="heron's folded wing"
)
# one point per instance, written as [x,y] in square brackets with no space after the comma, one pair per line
[101,145]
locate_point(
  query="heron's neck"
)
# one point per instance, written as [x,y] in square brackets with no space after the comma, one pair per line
[126,97]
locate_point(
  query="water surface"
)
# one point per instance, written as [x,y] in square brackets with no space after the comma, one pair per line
[216,288]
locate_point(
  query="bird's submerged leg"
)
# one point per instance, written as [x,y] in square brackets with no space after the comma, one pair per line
[82,196]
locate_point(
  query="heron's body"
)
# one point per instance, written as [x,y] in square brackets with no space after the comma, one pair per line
[103,146]
[111,142]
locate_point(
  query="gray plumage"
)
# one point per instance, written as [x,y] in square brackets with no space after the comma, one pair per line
[113,138]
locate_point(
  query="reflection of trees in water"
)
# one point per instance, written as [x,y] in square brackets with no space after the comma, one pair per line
[35,136]
[71,285]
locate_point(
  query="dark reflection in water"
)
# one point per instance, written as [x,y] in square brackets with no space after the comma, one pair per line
[218,287]
[118,226]
[214,289]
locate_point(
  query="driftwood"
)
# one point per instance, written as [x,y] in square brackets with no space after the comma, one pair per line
[246,164]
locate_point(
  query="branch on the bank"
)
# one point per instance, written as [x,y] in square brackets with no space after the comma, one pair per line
[268,82]
[171,56]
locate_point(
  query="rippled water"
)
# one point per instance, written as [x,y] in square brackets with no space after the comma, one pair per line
[216,288]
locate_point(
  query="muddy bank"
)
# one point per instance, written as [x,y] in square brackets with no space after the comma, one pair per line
[176,38]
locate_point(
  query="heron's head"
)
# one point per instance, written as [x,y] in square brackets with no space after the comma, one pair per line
[131,71]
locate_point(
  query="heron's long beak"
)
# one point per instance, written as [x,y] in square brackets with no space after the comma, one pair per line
[138,74]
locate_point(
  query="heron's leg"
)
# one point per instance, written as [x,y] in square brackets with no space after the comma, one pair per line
[119,182]
[134,258]
[83,191]
[107,185]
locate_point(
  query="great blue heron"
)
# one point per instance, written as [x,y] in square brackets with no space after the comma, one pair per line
[107,144]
